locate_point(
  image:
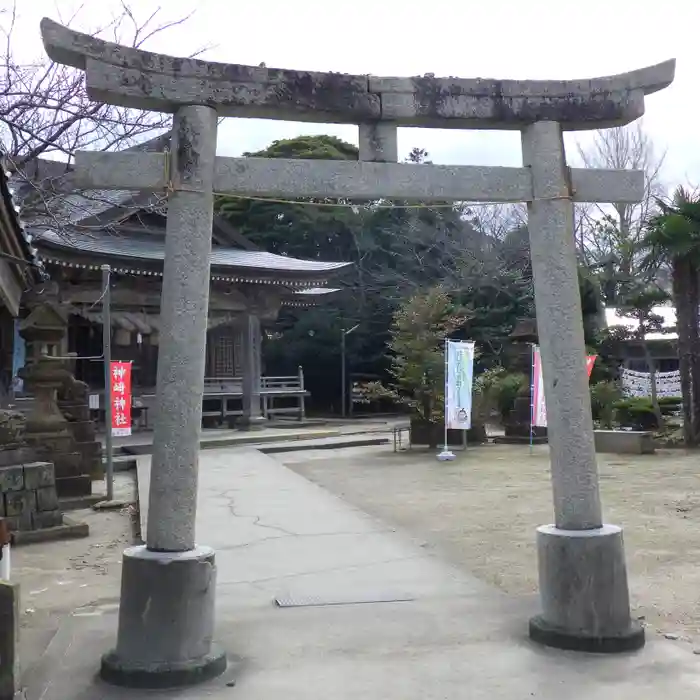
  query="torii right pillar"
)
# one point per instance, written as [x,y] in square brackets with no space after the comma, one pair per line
[582,572]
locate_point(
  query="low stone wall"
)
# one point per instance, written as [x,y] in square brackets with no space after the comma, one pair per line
[28,499]
[633,442]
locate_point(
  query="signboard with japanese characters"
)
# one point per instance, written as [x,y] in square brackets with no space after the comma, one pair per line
[120,373]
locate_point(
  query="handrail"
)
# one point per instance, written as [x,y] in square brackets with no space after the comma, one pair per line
[292,381]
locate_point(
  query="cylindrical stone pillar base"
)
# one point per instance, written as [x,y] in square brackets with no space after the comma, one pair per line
[584,593]
[166,621]
[251,423]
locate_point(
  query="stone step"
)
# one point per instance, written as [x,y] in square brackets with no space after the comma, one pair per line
[37,674]
[322,444]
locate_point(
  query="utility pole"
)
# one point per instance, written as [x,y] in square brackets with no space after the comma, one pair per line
[343,369]
[107,353]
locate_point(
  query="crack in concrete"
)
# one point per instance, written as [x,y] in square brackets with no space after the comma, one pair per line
[256,519]
[329,570]
[283,532]
[242,545]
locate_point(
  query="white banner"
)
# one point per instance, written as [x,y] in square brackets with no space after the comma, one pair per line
[638,384]
[459,377]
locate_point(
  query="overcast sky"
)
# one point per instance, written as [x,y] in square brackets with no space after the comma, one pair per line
[495,39]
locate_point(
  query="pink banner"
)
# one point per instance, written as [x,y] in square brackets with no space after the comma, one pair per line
[539,407]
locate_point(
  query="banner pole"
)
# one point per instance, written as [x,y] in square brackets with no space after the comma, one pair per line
[446,455]
[107,352]
[447,379]
[532,396]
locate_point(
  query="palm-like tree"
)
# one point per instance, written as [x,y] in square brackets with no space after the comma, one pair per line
[673,235]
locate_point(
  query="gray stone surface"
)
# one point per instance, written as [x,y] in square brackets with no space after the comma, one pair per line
[20,503]
[635,442]
[46,498]
[560,328]
[114,74]
[66,528]
[379,142]
[583,581]
[9,640]
[184,305]
[19,455]
[43,520]
[583,584]
[28,498]
[39,475]
[166,620]
[11,478]
[283,177]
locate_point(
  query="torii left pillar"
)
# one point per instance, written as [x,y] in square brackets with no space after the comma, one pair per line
[166,612]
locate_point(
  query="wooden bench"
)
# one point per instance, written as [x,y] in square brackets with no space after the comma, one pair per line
[633,442]
[221,393]
[223,400]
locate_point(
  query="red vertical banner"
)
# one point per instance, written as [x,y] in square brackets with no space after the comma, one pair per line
[120,396]
[590,361]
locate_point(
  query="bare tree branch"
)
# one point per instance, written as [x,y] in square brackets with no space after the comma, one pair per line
[45,111]
[610,237]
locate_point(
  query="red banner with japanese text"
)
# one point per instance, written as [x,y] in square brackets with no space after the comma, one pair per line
[120,396]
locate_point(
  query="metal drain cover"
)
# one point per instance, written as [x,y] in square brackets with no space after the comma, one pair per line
[312,601]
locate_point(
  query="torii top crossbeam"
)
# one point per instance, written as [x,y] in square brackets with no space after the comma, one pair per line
[140,79]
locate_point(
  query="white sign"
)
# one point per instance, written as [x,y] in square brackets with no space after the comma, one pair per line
[94,402]
[638,384]
[459,377]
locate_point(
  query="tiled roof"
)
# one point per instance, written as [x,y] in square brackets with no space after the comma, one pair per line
[69,206]
[23,238]
[110,245]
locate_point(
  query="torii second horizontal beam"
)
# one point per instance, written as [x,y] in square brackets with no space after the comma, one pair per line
[343,179]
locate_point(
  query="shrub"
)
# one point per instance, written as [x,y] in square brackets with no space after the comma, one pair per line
[604,396]
[636,413]
[485,394]
[506,390]
[670,404]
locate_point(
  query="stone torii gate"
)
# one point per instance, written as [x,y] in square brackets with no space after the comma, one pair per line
[583,581]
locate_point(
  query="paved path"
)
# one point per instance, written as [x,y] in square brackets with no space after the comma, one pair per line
[277,534]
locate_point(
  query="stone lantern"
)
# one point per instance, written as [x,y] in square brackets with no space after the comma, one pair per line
[44,374]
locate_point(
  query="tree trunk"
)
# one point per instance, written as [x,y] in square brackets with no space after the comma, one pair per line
[651,365]
[694,302]
[686,317]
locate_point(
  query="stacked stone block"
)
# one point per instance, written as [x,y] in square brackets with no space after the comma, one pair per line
[73,404]
[28,499]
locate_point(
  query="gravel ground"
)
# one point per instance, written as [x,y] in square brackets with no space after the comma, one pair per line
[481,510]
[58,577]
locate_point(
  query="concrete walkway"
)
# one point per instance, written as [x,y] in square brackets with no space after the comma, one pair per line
[450,636]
